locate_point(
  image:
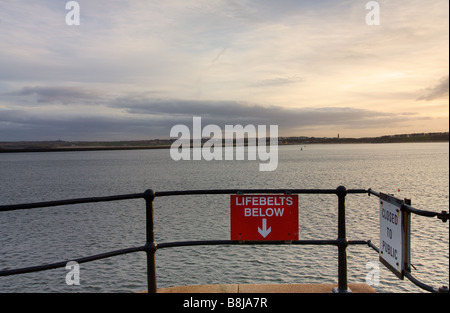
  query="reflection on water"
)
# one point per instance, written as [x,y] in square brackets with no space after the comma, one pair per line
[31,237]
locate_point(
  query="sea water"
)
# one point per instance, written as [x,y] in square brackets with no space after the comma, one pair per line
[418,171]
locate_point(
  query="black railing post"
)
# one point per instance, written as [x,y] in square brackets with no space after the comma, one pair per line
[342,243]
[150,245]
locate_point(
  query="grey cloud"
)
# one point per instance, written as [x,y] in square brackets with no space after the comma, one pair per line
[176,107]
[18,125]
[234,112]
[60,95]
[438,91]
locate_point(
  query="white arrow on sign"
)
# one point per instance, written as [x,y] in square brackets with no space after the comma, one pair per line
[264,231]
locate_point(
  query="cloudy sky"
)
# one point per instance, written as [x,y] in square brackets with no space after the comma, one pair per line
[133,69]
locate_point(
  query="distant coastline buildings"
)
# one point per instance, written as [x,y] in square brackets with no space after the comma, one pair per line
[60,145]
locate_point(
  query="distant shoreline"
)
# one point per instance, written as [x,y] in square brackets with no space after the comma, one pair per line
[71,149]
[66,146]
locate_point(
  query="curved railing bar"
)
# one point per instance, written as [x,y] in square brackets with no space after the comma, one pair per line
[44,267]
[426,287]
[444,216]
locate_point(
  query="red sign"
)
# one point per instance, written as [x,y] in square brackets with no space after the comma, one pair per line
[262,217]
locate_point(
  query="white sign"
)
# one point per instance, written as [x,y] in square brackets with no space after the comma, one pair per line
[394,235]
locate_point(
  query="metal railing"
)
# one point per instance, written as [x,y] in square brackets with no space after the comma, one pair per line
[151,246]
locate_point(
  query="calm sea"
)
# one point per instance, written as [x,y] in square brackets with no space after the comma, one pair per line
[418,171]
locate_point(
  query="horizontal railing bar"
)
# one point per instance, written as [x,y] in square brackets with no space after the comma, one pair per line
[5,208]
[242,191]
[257,242]
[244,242]
[168,245]
[13,207]
[247,191]
[359,242]
[203,243]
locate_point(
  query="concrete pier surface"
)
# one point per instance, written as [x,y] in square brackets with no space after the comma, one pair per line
[265,288]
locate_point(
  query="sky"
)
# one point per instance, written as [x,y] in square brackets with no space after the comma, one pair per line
[134,69]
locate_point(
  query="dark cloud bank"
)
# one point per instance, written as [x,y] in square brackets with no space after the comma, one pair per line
[142,117]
